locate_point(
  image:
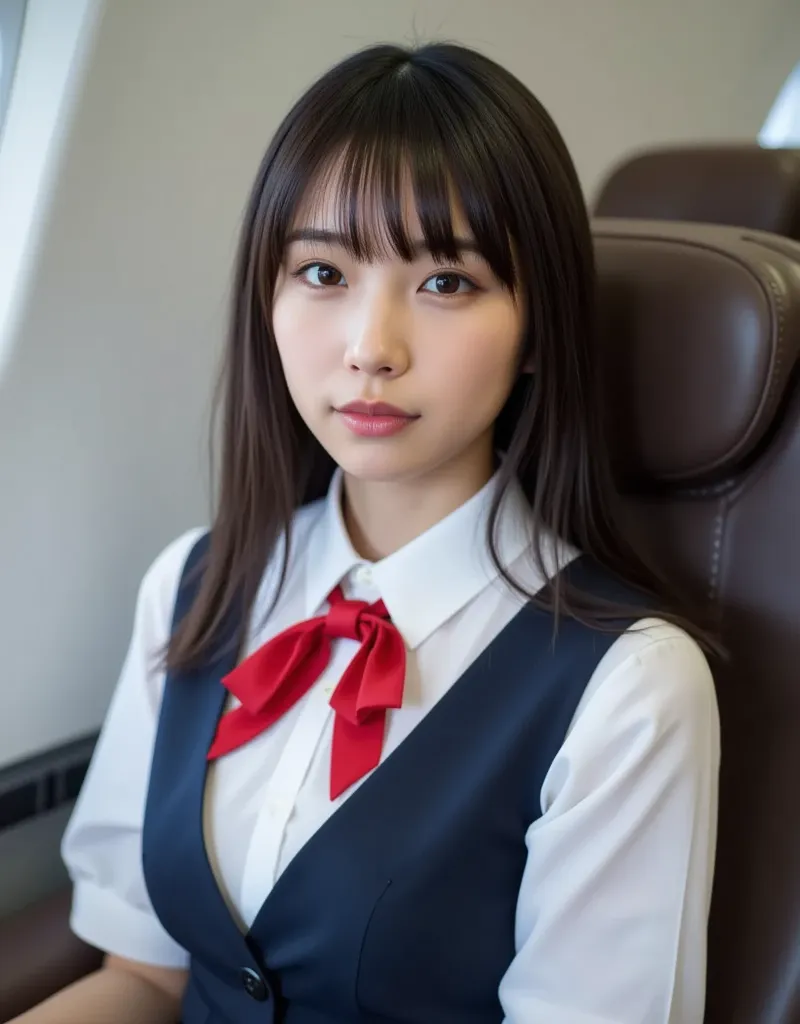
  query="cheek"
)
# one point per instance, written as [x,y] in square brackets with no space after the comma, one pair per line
[302,333]
[482,362]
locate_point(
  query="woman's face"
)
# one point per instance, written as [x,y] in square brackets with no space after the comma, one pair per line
[438,342]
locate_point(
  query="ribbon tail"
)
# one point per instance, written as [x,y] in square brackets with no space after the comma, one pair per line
[384,672]
[356,750]
[243,724]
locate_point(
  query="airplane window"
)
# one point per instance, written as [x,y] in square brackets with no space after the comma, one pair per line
[12,16]
[782,127]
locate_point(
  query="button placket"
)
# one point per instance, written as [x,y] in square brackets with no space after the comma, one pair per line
[263,860]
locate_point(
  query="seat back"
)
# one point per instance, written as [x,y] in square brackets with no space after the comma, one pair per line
[700,338]
[742,185]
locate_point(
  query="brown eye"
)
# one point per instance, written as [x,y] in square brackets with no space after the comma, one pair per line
[321,275]
[448,284]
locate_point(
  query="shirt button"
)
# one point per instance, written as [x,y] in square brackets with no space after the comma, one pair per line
[364,575]
[254,985]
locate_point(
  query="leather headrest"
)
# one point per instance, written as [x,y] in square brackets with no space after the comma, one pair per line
[699,328]
[743,185]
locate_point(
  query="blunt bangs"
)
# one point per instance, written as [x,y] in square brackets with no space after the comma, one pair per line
[357,145]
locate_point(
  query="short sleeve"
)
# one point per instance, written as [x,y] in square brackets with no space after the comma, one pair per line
[613,907]
[102,845]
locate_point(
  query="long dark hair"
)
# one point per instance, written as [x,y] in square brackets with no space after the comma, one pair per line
[452,119]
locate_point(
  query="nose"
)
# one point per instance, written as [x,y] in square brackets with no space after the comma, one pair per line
[376,340]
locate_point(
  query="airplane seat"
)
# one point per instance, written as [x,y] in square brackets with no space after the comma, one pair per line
[39,955]
[700,344]
[700,336]
[742,185]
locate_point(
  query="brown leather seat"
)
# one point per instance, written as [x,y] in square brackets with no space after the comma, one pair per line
[700,331]
[742,185]
[39,955]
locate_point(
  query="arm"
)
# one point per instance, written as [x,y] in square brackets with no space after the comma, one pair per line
[613,907]
[122,992]
[145,973]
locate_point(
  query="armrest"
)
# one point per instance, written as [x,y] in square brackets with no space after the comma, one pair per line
[40,955]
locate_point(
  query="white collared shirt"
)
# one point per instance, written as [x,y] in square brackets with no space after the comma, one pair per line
[613,905]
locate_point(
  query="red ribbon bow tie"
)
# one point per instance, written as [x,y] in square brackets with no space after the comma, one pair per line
[278,674]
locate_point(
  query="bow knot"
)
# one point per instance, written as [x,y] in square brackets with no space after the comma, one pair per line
[352,620]
[277,675]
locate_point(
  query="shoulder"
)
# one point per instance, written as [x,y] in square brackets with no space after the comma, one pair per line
[655,663]
[662,656]
[648,715]
[159,585]
[656,678]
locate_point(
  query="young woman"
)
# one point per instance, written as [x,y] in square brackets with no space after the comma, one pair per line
[430,743]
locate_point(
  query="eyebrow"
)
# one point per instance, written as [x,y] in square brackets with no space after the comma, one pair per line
[418,246]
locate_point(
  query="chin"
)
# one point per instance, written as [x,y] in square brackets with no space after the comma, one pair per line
[378,462]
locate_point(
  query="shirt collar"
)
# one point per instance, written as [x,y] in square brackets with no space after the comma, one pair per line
[434,576]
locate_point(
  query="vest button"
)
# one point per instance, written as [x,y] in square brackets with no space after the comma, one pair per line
[254,985]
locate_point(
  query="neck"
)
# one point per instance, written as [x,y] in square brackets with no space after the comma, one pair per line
[383,516]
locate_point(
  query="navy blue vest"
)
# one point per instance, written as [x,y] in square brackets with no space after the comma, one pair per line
[401,907]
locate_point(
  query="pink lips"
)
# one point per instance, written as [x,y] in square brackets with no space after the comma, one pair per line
[375,419]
